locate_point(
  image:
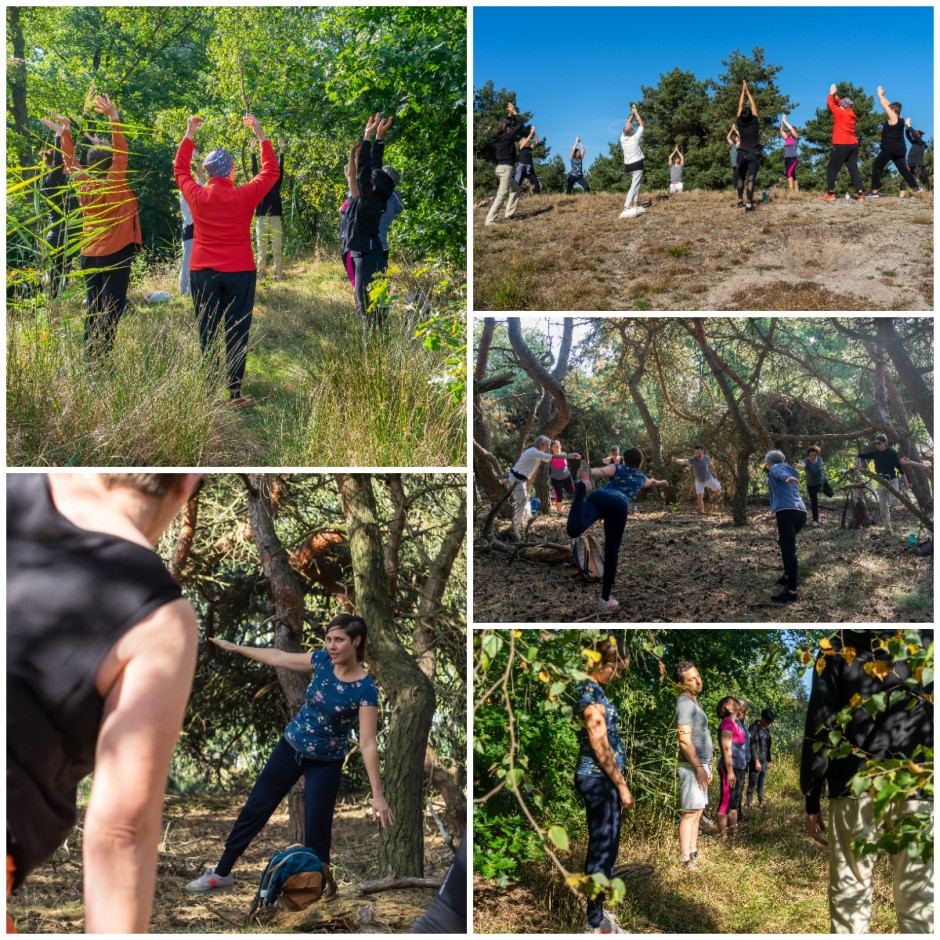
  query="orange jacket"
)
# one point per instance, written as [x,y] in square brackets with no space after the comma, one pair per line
[110,219]
[843,122]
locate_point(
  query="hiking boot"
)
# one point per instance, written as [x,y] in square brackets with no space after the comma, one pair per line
[829,197]
[610,604]
[210,881]
[785,597]
[584,475]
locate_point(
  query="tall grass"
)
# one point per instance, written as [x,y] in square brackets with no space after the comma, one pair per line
[326,394]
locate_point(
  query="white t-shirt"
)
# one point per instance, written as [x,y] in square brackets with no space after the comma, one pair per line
[529,459]
[631,146]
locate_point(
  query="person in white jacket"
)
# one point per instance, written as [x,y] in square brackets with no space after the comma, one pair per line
[633,163]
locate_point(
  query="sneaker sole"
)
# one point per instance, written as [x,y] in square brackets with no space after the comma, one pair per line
[230,887]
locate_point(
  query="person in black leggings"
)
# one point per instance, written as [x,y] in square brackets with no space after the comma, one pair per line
[893,149]
[789,511]
[576,174]
[60,204]
[844,145]
[448,910]
[915,154]
[749,148]
[525,169]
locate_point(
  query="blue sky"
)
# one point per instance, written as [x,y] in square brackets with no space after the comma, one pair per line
[532,51]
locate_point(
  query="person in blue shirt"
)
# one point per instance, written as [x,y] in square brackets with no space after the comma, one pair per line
[610,504]
[815,471]
[789,511]
[313,746]
[599,776]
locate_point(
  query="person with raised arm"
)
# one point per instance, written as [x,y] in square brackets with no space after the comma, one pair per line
[749,148]
[676,166]
[632,163]
[893,149]
[576,173]
[734,138]
[915,154]
[525,169]
[510,129]
[791,142]
[189,230]
[844,145]
[222,268]
[269,229]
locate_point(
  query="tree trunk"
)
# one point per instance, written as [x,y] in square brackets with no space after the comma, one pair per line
[486,467]
[911,379]
[288,597]
[920,482]
[409,692]
[544,379]
[641,350]
[560,369]
[184,542]
[16,85]
[742,480]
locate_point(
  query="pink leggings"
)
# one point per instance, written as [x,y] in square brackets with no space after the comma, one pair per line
[350,270]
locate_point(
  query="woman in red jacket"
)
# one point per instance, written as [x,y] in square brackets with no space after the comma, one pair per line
[222,270]
[844,145]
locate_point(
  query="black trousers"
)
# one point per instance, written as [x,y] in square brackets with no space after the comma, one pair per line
[602,802]
[107,278]
[755,781]
[814,500]
[585,510]
[900,164]
[847,155]
[789,524]
[748,165]
[365,267]
[921,175]
[448,910]
[229,297]
[57,236]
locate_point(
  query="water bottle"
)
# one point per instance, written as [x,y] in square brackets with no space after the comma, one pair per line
[535,504]
[911,540]
[848,198]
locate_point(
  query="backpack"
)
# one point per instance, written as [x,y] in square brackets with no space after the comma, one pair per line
[295,877]
[588,558]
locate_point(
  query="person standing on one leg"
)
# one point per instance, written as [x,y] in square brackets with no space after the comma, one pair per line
[189,231]
[844,145]
[761,756]
[529,461]
[789,511]
[222,268]
[702,469]
[599,775]
[269,226]
[893,149]
[632,163]
[576,174]
[915,154]
[695,755]
[815,471]
[749,148]
[890,733]
[791,142]
[560,477]
[511,128]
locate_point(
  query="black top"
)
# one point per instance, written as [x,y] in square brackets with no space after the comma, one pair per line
[892,733]
[887,462]
[71,594]
[55,187]
[271,204]
[505,144]
[749,130]
[365,211]
[915,155]
[759,738]
[525,156]
[892,138]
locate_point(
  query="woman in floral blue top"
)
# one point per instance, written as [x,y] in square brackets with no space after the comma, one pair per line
[314,745]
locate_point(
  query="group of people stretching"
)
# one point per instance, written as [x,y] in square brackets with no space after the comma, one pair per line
[624,480]
[219,269]
[746,151]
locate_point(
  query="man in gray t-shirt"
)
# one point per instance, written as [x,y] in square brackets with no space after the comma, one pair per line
[695,754]
[701,465]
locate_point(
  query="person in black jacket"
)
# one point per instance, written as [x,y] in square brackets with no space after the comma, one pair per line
[889,468]
[511,128]
[892,148]
[761,757]
[840,682]
[61,204]
[371,186]
[269,229]
[915,155]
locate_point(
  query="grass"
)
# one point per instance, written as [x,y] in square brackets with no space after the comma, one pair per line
[770,879]
[787,255]
[325,394]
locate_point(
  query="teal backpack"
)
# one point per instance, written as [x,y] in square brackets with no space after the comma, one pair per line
[297,878]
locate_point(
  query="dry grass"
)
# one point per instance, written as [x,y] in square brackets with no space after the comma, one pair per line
[696,251]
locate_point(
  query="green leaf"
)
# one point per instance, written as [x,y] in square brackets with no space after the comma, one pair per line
[875,704]
[558,837]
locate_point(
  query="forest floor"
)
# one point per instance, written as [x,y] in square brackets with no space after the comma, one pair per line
[324,394]
[677,566]
[195,829]
[696,251]
[771,878]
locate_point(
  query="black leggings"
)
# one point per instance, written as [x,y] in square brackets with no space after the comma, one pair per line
[57,237]
[789,523]
[365,267]
[748,165]
[882,160]
[448,911]
[814,500]
[227,295]
[561,487]
[107,279]
[577,181]
[585,511]
[602,802]
[846,154]
[920,174]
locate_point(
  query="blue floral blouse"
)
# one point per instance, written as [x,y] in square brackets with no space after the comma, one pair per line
[322,727]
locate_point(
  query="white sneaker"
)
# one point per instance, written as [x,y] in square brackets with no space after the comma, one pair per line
[815,524]
[630,213]
[210,881]
[608,924]
[610,604]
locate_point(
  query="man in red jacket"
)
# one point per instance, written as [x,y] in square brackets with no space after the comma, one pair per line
[844,145]
[222,270]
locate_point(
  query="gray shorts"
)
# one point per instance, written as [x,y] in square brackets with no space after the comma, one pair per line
[691,796]
[711,483]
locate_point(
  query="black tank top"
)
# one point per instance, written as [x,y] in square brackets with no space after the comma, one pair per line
[750,134]
[892,138]
[71,594]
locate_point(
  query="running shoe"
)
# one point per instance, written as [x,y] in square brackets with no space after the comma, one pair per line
[860,197]
[608,924]
[748,208]
[631,213]
[210,881]
[610,604]
[829,197]
[740,204]
[873,195]
[584,475]
[815,523]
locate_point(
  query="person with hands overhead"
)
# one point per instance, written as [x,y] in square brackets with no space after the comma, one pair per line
[110,226]
[525,170]
[893,149]
[189,230]
[375,184]
[576,173]
[676,166]
[222,267]
[915,154]
[632,163]
[60,204]
[734,138]
[269,229]
[844,145]
[791,142]
[510,129]
[340,696]
[749,148]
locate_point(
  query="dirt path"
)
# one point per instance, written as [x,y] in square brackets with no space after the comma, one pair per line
[195,829]
[677,567]
[696,251]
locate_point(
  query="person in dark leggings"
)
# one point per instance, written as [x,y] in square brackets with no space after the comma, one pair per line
[612,504]
[791,143]
[915,154]
[576,174]
[222,268]
[732,768]
[371,187]
[314,745]
[448,911]
[815,471]
[560,476]
[61,204]
[844,145]
[893,149]
[789,511]
[599,775]
[749,148]
[761,757]
[525,169]
[734,138]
